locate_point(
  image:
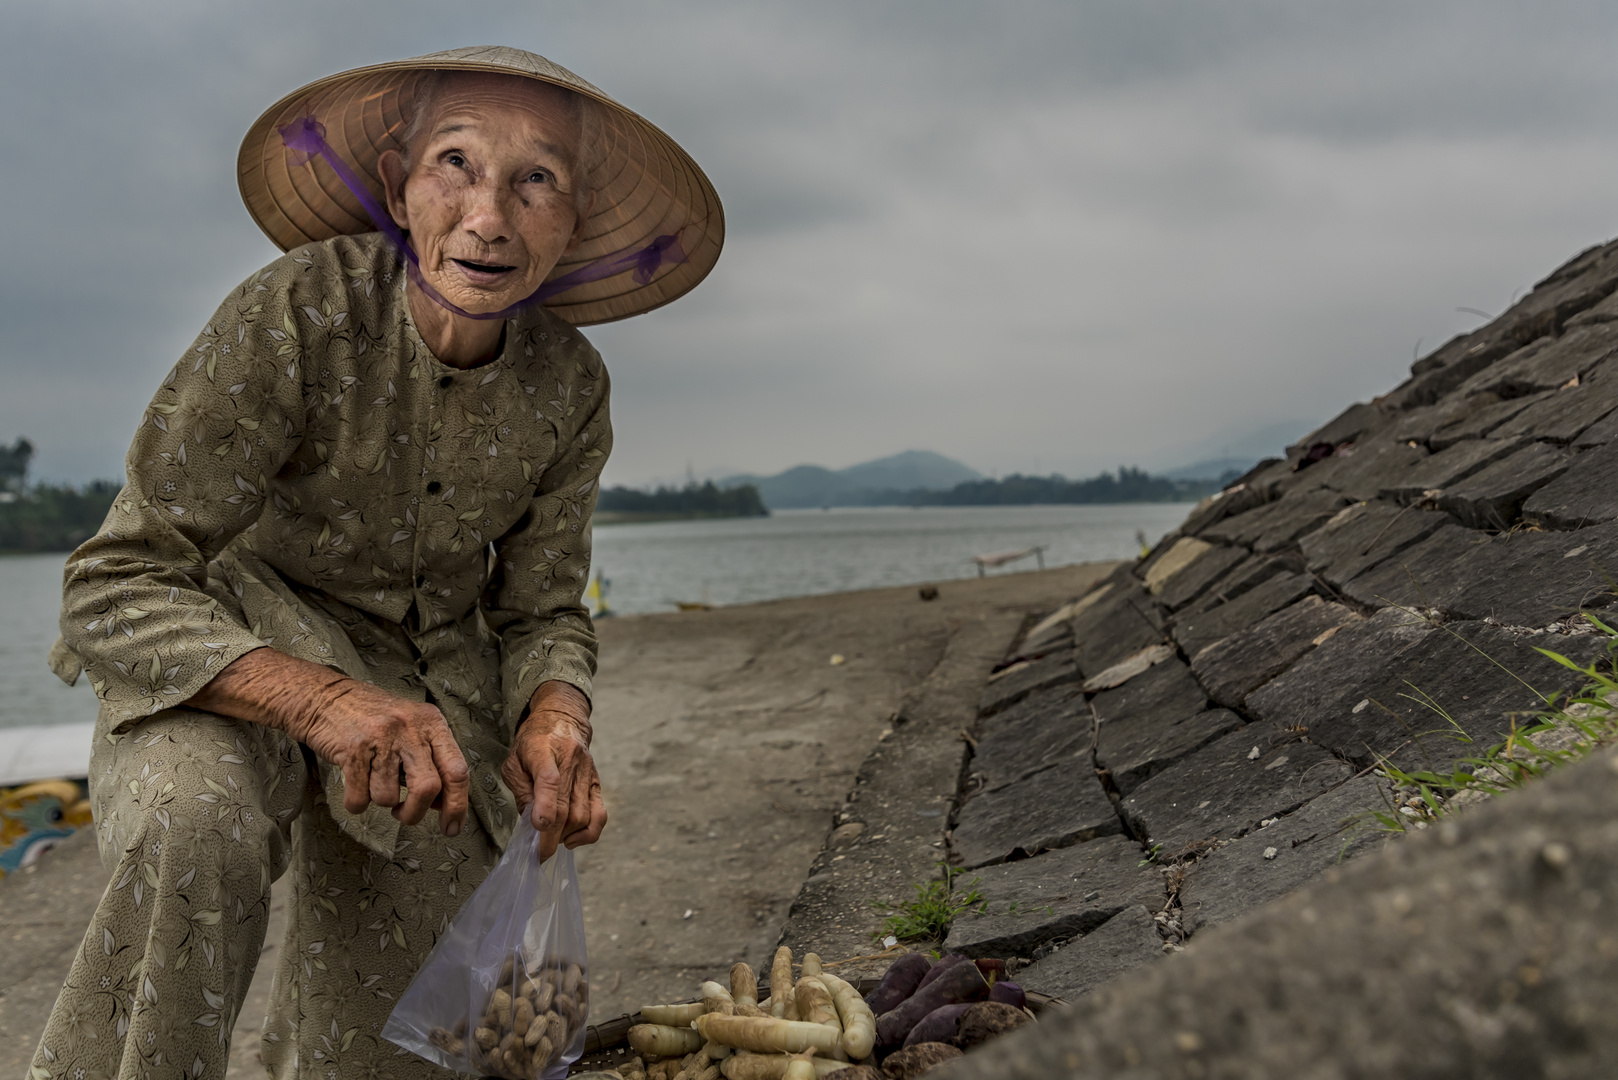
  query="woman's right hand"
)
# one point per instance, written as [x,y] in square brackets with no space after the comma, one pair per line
[379,740]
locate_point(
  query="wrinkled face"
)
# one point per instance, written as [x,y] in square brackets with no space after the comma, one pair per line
[489,197]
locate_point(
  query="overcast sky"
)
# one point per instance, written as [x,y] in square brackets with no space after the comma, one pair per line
[1042,236]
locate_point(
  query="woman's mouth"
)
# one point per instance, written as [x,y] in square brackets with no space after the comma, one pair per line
[482,273]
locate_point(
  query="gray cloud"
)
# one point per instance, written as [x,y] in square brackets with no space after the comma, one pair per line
[1031,235]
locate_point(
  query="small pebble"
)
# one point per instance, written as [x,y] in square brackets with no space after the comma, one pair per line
[1270,853]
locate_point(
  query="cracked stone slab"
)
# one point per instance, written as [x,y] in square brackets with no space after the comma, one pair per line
[1276,859]
[1363,535]
[1251,571]
[1054,808]
[1152,722]
[1400,688]
[1197,631]
[1275,525]
[1231,669]
[1564,415]
[1185,551]
[1586,494]
[1223,790]
[1447,467]
[1547,363]
[1052,896]
[1492,499]
[1123,623]
[1482,422]
[1209,567]
[1124,942]
[1126,669]
[1045,728]
[1520,578]
[1018,681]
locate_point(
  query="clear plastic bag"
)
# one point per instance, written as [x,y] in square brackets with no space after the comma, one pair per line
[506,991]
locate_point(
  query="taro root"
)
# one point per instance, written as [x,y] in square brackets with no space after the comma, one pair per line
[961,982]
[987,1019]
[527,1022]
[938,1025]
[913,1061]
[901,979]
[1009,993]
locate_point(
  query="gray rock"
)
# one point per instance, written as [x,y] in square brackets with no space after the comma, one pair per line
[1363,535]
[1052,896]
[1331,828]
[1491,499]
[1222,791]
[1352,424]
[1562,416]
[1418,425]
[1017,682]
[1136,747]
[1480,948]
[1599,433]
[1124,942]
[1395,687]
[1203,572]
[1586,494]
[1484,419]
[1276,525]
[1548,363]
[1251,571]
[1446,467]
[1361,471]
[1233,668]
[1520,579]
[1123,622]
[1202,629]
[1167,686]
[1045,728]
[1053,808]
[1239,497]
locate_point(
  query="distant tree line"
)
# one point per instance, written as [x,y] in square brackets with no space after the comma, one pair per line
[1128,485]
[693,500]
[47,517]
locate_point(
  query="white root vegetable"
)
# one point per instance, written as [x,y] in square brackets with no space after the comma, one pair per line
[748,1066]
[800,1068]
[811,963]
[672,1015]
[781,1003]
[744,990]
[859,1024]
[767,1035]
[815,1004]
[716,999]
[661,1040]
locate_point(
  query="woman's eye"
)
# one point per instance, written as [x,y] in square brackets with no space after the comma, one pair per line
[540,176]
[457,160]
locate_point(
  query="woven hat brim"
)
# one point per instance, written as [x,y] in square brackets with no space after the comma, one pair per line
[646,185]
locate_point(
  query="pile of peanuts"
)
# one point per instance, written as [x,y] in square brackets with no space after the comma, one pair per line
[528,1022]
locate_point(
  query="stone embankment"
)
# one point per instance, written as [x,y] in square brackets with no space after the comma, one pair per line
[1202,731]
[1379,595]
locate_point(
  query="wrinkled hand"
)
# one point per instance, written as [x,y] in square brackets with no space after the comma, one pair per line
[551,773]
[377,739]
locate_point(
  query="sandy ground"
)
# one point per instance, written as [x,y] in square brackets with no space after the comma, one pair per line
[726,740]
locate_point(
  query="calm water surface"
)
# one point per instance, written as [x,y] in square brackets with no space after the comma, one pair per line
[651,567]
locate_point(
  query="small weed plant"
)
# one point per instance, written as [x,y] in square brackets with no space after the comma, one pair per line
[1562,733]
[929,915]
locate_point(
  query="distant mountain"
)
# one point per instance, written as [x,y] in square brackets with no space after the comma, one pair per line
[869,483]
[1215,469]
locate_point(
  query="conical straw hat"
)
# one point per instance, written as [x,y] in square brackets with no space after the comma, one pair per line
[646,186]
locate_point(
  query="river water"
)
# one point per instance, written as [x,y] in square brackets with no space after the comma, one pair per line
[651,567]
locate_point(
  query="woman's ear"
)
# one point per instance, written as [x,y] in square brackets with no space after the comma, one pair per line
[580,218]
[391,166]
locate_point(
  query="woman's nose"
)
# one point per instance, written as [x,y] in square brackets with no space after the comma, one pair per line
[486,214]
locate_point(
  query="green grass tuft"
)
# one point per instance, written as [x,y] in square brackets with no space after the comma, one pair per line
[929,915]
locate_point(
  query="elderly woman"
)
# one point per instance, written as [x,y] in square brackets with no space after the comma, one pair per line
[334,616]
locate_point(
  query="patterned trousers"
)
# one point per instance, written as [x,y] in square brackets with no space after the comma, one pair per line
[196,815]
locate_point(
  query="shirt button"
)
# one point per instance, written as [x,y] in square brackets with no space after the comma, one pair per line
[433,486]
[446,381]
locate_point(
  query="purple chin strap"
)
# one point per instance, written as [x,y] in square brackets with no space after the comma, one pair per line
[306,139]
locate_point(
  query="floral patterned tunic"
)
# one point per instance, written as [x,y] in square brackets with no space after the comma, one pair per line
[310,477]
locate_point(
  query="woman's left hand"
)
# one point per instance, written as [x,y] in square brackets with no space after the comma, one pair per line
[550,770]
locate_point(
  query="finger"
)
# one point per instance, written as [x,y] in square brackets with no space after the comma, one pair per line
[385,775]
[357,779]
[580,774]
[541,764]
[455,780]
[422,783]
[597,820]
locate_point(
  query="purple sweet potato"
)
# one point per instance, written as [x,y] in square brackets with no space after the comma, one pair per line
[938,1025]
[960,982]
[1010,993]
[898,982]
[943,965]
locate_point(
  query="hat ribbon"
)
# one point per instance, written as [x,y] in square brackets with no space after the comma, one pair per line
[306,139]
